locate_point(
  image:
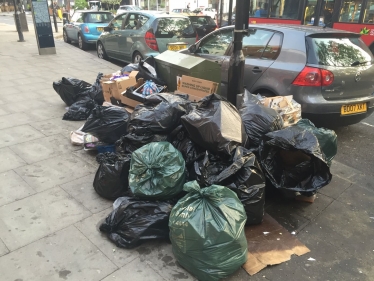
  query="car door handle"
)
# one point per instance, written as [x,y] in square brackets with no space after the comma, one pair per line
[256,70]
[132,34]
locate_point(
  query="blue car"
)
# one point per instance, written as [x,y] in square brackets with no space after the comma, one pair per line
[85,27]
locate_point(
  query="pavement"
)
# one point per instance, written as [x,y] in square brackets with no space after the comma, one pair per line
[50,213]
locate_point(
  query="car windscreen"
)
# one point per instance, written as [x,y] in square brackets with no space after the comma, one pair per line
[196,20]
[98,18]
[338,51]
[174,27]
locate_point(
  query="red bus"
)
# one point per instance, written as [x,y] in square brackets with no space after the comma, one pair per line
[350,15]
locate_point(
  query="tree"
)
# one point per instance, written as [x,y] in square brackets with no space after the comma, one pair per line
[80,4]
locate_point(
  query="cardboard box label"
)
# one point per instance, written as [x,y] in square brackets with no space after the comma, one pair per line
[197,87]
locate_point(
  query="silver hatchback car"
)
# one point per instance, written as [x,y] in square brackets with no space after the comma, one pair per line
[136,35]
[329,72]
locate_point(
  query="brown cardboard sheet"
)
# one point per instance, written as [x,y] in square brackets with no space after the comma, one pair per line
[276,246]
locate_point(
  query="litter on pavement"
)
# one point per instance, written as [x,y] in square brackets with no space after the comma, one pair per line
[180,162]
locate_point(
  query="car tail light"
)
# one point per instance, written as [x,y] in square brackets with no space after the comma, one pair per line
[150,40]
[86,29]
[315,77]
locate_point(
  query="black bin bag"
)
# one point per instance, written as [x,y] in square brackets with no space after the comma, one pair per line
[80,110]
[148,71]
[111,179]
[108,124]
[328,140]
[135,221]
[131,142]
[292,160]
[71,90]
[215,125]
[243,175]
[96,91]
[160,114]
[258,120]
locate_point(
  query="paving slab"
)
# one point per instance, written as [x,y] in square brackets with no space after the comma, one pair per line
[335,187]
[47,112]
[88,156]
[135,270]
[54,171]
[90,228]
[364,180]
[82,190]
[159,256]
[44,148]
[15,119]
[342,170]
[3,249]
[283,207]
[56,126]
[18,134]
[347,228]
[64,255]
[34,217]
[359,198]
[9,160]
[13,188]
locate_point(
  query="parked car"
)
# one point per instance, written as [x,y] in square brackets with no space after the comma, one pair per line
[209,12]
[85,27]
[136,35]
[185,12]
[329,72]
[203,25]
[125,8]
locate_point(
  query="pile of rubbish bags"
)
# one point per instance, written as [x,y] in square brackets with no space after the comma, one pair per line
[196,173]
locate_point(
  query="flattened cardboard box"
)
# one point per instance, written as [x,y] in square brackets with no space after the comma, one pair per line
[196,87]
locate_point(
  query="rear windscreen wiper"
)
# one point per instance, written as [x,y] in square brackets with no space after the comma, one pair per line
[358,63]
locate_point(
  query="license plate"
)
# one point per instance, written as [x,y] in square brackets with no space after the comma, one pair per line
[353,108]
[100,29]
[177,47]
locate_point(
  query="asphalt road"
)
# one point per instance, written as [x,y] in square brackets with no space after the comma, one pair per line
[355,148]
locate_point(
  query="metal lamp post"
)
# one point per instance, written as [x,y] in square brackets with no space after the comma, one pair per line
[237,61]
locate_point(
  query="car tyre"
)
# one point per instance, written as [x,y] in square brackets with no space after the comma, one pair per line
[82,45]
[65,36]
[136,57]
[101,51]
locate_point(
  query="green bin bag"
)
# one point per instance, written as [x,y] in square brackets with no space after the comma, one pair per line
[327,139]
[157,171]
[207,231]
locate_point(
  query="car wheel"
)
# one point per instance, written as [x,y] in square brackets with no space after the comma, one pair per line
[101,51]
[65,36]
[82,45]
[136,57]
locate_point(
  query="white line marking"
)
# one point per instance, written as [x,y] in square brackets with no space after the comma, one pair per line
[367,124]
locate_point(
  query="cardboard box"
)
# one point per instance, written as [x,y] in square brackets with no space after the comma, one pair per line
[196,87]
[114,88]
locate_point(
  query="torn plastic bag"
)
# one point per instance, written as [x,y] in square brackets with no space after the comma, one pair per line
[108,124]
[207,232]
[258,120]
[135,221]
[160,114]
[148,71]
[111,179]
[131,142]
[243,175]
[130,67]
[292,159]
[71,89]
[215,125]
[328,140]
[80,110]
[157,171]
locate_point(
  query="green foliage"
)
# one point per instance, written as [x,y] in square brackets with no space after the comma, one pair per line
[80,4]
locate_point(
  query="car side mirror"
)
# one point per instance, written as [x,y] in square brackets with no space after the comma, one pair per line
[108,28]
[192,48]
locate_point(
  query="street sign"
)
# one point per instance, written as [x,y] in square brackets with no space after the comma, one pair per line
[43,27]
